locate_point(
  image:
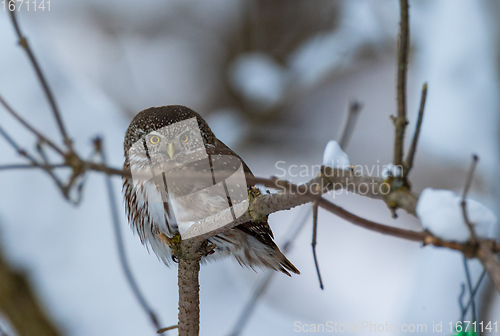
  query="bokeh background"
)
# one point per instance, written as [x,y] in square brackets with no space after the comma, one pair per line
[273,79]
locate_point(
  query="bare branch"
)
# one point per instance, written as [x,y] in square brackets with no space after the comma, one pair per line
[189,254]
[330,179]
[29,127]
[189,295]
[46,167]
[400,121]
[246,313]
[352,116]
[23,42]
[29,166]
[313,244]
[18,148]
[163,330]
[474,291]
[461,302]
[471,291]
[470,176]
[468,183]
[490,264]
[411,154]
[120,246]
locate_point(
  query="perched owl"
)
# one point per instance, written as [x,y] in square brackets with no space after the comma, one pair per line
[174,145]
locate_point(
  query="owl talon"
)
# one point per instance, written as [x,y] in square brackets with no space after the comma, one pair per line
[207,249]
[212,249]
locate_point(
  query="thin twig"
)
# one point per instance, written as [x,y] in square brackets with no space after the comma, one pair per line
[351,120]
[162,330]
[352,116]
[313,244]
[468,183]
[29,127]
[471,292]
[18,148]
[260,289]
[490,264]
[413,148]
[249,308]
[470,176]
[23,42]
[29,166]
[461,302]
[120,246]
[474,291]
[46,167]
[301,194]
[400,121]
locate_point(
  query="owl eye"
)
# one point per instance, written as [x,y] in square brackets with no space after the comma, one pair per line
[154,139]
[184,138]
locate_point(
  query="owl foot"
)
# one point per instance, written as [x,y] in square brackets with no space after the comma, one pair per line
[207,248]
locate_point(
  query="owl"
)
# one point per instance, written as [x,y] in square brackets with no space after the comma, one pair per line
[191,183]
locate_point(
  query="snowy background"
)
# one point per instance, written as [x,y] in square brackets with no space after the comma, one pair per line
[273,80]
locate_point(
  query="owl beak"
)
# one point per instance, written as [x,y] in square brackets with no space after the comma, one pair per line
[170,150]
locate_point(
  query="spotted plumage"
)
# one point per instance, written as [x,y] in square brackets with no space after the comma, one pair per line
[175,139]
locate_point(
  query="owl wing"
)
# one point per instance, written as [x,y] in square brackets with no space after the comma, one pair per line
[220,148]
[258,229]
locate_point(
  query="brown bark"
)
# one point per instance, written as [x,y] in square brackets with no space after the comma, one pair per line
[189,288]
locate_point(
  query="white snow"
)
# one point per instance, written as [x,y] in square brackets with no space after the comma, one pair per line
[440,212]
[334,156]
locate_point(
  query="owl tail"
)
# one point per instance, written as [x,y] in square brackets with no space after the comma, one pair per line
[256,247]
[285,264]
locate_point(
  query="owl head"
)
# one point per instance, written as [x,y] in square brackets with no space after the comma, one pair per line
[169,136]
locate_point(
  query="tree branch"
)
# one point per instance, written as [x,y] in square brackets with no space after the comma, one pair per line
[469,287]
[355,108]
[296,227]
[29,166]
[411,154]
[490,264]
[189,289]
[400,121]
[468,183]
[120,246]
[30,128]
[189,253]
[23,42]
[313,243]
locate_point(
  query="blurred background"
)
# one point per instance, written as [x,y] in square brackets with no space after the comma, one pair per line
[274,80]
